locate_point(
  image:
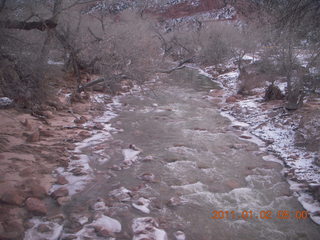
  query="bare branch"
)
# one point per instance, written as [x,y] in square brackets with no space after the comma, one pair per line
[41,25]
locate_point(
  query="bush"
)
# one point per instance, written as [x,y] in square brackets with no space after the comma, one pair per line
[24,83]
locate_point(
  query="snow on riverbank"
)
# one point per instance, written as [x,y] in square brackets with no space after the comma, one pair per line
[269,122]
[79,172]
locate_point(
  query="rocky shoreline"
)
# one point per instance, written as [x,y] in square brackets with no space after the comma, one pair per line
[288,137]
[32,150]
[43,164]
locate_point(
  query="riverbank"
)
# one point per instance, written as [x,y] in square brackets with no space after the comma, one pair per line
[288,136]
[156,161]
[34,151]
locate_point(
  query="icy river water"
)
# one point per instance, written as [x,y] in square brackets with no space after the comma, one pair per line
[174,168]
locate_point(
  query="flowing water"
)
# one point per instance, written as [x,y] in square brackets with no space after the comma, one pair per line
[187,162]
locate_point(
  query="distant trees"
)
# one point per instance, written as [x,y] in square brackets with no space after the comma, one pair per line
[116,44]
[22,71]
[294,32]
[126,47]
[97,42]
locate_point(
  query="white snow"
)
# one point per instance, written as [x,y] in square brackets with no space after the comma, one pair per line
[34,234]
[75,183]
[98,206]
[108,223]
[311,206]
[4,101]
[278,131]
[82,220]
[249,103]
[179,235]
[142,204]
[130,155]
[122,194]
[147,228]
[272,158]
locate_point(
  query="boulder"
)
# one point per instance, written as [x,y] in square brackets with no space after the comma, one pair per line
[33,137]
[38,191]
[12,197]
[231,99]
[63,200]
[61,192]
[80,120]
[61,180]
[36,206]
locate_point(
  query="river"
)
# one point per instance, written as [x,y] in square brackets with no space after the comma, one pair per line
[174,166]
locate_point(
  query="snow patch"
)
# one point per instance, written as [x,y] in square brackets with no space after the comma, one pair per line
[104,222]
[121,194]
[147,228]
[130,156]
[53,233]
[142,204]
[4,101]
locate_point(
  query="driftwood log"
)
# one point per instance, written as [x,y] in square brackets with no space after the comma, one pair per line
[90,84]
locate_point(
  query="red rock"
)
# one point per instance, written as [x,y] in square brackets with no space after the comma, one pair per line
[61,180]
[85,134]
[245,137]
[115,167]
[216,93]
[231,99]
[36,206]
[12,197]
[102,232]
[27,124]
[48,114]
[38,191]
[43,228]
[80,120]
[26,172]
[46,133]
[74,157]
[148,177]
[63,200]
[70,147]
[233,184]
[174,201]
[33,137]
[61,192]
[98,126]
[12,229]
[64,162]
[78,171]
